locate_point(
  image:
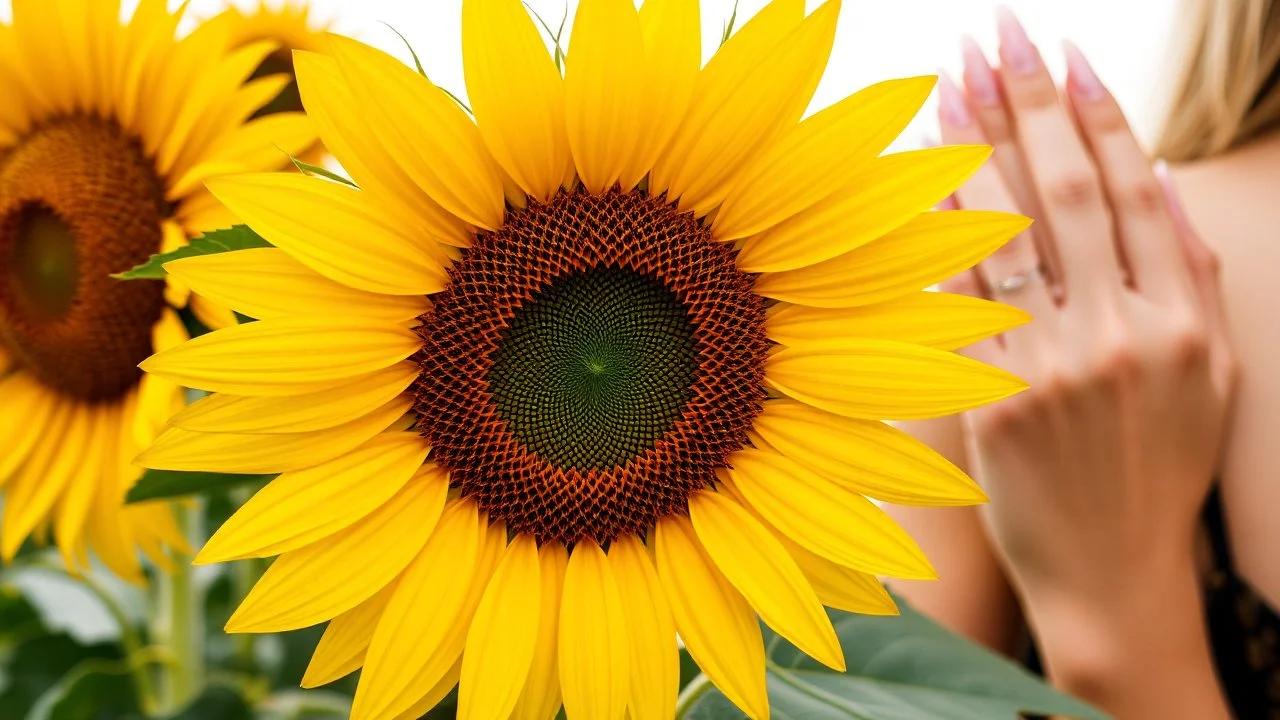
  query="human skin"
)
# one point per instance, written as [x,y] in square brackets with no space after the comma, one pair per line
[1097,475]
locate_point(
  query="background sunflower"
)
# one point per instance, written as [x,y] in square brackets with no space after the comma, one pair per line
[107,133]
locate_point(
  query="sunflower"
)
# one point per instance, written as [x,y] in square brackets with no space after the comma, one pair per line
[605,360]
[107,132]
[290,25]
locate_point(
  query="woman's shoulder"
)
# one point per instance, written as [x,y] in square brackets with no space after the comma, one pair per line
[1234,202]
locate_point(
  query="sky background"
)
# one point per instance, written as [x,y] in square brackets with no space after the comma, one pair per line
[876,39]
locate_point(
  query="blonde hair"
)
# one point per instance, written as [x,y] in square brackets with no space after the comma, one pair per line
[1226,90]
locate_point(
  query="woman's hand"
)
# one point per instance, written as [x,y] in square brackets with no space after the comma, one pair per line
[1097,474]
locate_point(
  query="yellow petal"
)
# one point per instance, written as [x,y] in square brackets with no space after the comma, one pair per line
[412,649]
[760,568]
[823,517]
[593,638]
[321,410]
[840,587]
[865,456]
[718,627]
[603,91]
[651,632]
[883,197]
[331,229]
[284,356]
[503,635]
[673,56]
[883,379]
[25,409]
[178,449]
[342,125]
[425,132]
[541,697]
[819,156]
[927,250]
[32,497]
[320,581]
[73,505]
[437,693]
[342,648]
[301,507]
[516,93]
[266,283]
[755,88]
[939,320]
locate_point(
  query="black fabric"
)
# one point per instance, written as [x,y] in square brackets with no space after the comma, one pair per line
[1245,630]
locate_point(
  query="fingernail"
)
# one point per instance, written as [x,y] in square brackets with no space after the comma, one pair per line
[951,103]
[948,203]
[1080,75]
[979,78]
[1016,50]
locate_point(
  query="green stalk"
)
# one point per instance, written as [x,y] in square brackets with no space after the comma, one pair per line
[696,688]
[180,622]
[136,656]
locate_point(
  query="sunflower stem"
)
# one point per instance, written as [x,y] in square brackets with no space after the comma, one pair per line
[696,688]
[181,620]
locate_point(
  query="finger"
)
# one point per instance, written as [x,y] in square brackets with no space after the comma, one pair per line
[982,87]
[986,190]
[1148,241]
[1068,186]
[1205,271]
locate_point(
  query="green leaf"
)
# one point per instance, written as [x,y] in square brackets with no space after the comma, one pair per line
[423,72]
[309,169]
[159,484]
[728,26]
[239,237]
[900,668]
[555,35]
[95,689]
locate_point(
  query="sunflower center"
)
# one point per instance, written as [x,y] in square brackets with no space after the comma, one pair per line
[590,365]
[78,201]
[595,369]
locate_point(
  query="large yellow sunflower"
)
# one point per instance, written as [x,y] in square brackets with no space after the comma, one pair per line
[107,133]
[604,363]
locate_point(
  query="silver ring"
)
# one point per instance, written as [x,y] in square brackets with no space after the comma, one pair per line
[1017,281]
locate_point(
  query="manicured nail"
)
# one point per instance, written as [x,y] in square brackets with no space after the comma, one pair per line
[948,203]
[1080,75]
[951,104]
[979,78]
[1016,50]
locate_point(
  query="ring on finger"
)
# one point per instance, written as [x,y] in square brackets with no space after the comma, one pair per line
[1017,281]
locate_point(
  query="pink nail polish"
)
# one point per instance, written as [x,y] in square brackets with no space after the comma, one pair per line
[951,103]
[979,78]
[1081,78]
[1016,50]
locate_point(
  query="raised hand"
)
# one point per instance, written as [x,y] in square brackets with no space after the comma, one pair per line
[1098,473]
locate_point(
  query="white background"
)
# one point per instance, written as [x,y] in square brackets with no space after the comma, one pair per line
[876,39]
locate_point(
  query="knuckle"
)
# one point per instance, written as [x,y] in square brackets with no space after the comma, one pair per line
[1187,344]
[1143,197]
[1072,191]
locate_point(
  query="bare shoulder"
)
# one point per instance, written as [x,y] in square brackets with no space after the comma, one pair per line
[1234,201]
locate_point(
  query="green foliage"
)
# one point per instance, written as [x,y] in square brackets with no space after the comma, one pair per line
[239,237]
[899,668]
[418,63]
[728,26]
[161,484]
[317,171]
[556,34]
